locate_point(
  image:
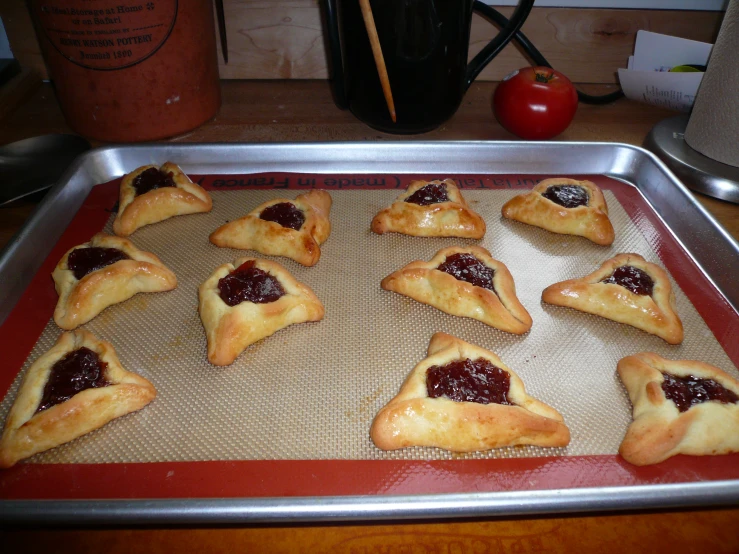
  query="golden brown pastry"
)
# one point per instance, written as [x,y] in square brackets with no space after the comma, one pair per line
[151,194]
[680,407]
[627,289]
[484,289]
[105,271]
[464,398]
[430,209]
[294,229]
[564,206]
[76,387]
[243,302]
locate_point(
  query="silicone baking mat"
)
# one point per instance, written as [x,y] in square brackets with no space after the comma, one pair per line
[305,397]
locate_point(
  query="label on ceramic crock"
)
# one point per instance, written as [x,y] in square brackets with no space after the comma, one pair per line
[106,34]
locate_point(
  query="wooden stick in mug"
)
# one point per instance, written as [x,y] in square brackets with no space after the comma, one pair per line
[369,23]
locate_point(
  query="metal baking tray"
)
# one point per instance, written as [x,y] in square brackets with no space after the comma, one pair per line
[703,240]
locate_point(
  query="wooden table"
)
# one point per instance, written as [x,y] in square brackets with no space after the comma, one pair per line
[271,111]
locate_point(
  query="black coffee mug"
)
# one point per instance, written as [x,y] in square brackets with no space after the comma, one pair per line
[424,44]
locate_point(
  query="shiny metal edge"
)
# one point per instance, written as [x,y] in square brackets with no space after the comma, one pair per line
[367,508]
[711,247]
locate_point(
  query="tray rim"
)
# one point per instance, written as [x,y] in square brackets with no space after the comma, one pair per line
[303,509]
[625,162]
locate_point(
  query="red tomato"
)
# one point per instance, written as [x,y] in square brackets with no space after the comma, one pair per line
[535,103]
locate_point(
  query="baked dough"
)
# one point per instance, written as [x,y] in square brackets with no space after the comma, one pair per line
[589,221]
[83,299]
[654,314]
[660,430]
[28,432]
[423,282]
[412,418]
[445,219]
[271,238]
[158,204]
[230,329]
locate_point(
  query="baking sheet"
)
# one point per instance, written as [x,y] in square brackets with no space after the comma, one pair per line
[702,253]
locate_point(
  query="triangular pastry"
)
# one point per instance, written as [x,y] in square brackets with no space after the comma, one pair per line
[430,209]
[564,206]
[465,282]
[151,194]
[464,398]
[626,289]
[74,388]
[243,302]
[105,271]
[294,229]
[680,407]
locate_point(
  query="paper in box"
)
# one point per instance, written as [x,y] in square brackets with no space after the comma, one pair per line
[648,78]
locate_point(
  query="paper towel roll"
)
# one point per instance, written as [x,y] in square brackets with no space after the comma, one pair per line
[713,129]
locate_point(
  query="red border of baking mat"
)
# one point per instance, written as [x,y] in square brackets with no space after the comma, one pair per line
[263,478]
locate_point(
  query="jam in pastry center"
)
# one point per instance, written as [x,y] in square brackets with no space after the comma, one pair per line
[82,261]
[152,179]
[469,381]
[568,196]
[633,279]
[467,268]
[79,370]
[430,194]
[284,213]
[688,391]
[248,283]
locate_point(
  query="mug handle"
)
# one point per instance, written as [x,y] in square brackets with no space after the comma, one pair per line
[336,69]
[494,47]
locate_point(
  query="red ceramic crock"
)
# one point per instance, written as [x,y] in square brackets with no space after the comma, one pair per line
[130,70]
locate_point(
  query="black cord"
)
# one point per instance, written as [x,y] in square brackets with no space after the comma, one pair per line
[537,57]
[507,32]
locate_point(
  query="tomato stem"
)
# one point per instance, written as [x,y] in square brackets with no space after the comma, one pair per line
[542,78]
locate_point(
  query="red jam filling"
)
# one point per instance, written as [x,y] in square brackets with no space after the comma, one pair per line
[248,283]
[633,279]
[86,260]
[469,269]
[152,179]
[568,196]
[469,381]
[429,194]
[77,371]
[688,391]
[284,213]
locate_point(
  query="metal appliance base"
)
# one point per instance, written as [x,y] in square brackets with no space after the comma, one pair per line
[699,173]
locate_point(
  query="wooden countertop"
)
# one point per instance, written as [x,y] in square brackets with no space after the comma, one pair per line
[272,111]
[295,111]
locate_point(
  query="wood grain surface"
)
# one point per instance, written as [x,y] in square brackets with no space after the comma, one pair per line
[283,39]
[268,111]
[674,533]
